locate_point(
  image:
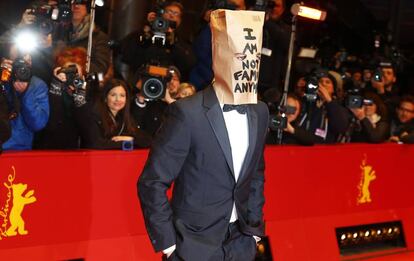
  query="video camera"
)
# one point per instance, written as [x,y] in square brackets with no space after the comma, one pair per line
[154,81]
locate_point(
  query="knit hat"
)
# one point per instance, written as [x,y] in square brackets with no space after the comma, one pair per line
[336,80]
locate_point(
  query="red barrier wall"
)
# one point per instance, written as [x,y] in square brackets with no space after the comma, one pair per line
[86,205]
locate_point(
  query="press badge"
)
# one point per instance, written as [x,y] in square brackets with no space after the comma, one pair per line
[266,51]
[321,133]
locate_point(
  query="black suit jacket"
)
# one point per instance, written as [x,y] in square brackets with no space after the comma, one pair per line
[192,149]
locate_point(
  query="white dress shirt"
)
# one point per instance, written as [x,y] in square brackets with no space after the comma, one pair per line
[238,131]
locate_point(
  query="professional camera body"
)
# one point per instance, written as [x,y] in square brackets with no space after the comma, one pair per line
[21,71]
[72,77]
[154,81]
[355,100]
[157,33]
[55,19]
[377,75]
[312,84]
[279,121]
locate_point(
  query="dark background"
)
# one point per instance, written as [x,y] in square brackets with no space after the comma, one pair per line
[351,24]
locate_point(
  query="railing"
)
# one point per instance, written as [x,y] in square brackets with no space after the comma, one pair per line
[83,204]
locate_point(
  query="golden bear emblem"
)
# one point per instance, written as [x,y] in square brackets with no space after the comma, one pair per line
[19,199]
[367,175]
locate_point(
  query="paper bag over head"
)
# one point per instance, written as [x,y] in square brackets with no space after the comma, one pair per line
[236,51]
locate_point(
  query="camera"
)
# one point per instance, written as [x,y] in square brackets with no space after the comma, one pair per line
[377,75]
[72,76]
[154,81]
[355,100]
[312,84]
[156,33]
[279,121]
[45,15]
[49,17]
[21,71]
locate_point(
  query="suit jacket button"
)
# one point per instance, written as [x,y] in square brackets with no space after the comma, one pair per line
[154,241]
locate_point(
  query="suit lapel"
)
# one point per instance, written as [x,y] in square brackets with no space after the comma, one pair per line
[252,121]
[215,117]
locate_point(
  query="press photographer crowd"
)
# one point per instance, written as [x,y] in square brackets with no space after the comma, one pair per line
[61,89]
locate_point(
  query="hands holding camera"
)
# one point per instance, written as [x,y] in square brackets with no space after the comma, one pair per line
[19,85]
[69,78]
[378,85]
[324,94]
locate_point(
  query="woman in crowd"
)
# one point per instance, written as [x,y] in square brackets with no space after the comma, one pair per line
[371,123]
[107,124]
[61,131]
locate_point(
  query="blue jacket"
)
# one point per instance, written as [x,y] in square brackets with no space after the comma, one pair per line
[32,117]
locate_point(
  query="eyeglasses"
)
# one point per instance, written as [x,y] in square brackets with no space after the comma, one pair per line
[172,12]
[402,109]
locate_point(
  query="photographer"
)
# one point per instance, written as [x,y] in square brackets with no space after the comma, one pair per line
[61,131]
[402,127]
[292,133]
[78,37]
[158,43]
[28,101]
[384,83]
[371,123]
[323,115]
[148,114]
[35,37]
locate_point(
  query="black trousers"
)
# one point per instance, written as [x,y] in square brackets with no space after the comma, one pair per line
[236,247]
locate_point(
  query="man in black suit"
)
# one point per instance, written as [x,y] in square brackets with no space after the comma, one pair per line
[213,152]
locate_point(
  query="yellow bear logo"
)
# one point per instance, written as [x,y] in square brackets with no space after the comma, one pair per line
[367,175]
[11,211]
[19,201]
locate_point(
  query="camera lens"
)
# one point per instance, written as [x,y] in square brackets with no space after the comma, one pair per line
[77,83]
[153,88]
[22,71]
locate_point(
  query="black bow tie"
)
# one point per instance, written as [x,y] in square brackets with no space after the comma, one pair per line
[242,109]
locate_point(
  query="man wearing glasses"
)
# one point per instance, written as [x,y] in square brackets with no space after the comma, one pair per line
[402,128]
